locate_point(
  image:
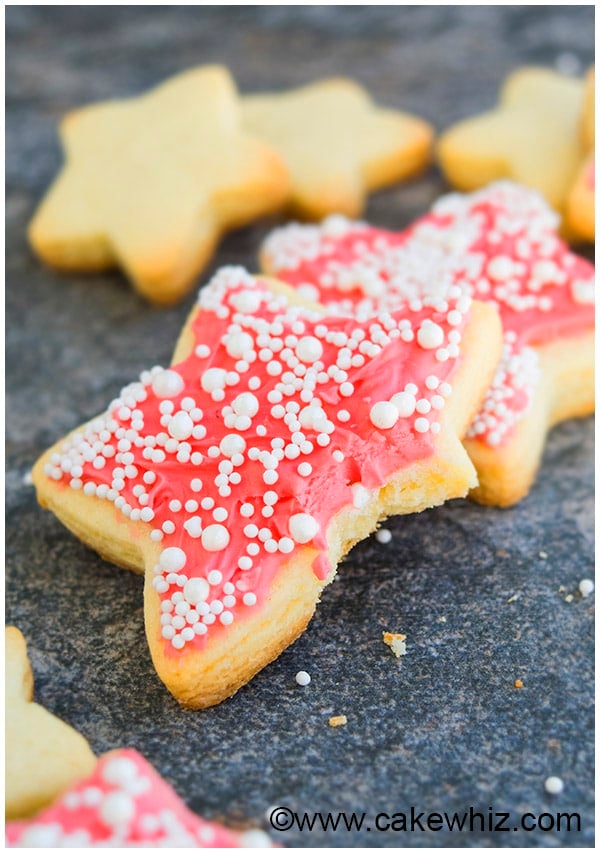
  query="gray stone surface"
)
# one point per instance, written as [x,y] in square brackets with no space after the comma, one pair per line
[442,730]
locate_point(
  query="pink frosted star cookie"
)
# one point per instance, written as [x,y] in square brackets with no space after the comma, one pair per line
[238,478]
[499,245]
[124,803]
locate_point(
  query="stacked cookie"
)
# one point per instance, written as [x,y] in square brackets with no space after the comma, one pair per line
[366,373]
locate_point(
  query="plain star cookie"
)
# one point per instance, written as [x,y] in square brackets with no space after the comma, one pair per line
[124,803]
[531,136]
[581,203]
[337,143]
[238,478]
[43,755]
[498,245]
[150,183]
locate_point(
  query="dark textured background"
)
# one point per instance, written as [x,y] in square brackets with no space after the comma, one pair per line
[444,728]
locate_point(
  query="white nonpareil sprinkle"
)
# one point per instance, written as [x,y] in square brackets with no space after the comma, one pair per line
[586,587]
[384,415]
[384,536]
[554,785]
[303,527]
[302,678]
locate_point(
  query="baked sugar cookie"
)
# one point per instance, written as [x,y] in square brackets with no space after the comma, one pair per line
[238,478]
[531,136]
[337,143]
[124,803]
[498,245]
[581,203]
[43,755]
[150,183]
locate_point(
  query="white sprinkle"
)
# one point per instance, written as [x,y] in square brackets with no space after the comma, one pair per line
[384,536]
[232,444]
[116,809]
[303,527]
[430,335]
[384,415]
[404,403]
[180,426]
[167,383]
[215,537]
[172,559]
[554,785]
[303,678]
[215,577]
[309,349]
[360,496]
[586,587]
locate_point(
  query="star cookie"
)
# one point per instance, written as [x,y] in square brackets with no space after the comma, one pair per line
[581,203]
[150,183]
[124,803]
[43,755]
[337,143]
[532,137]
[499,245]
[238,478]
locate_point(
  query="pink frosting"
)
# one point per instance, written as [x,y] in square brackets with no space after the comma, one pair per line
[124,803]
[499,245]
[244,451]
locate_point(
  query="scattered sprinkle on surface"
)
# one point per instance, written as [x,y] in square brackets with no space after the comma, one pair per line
[543,555]
[518,683]
[340,720]
[554,785]
[586,587]
[303,678]
[569,598]
[384,536]
[396,642]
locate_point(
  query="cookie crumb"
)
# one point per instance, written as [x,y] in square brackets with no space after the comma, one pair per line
[586,587]
[543,555]
[340,720]
[384,536]
[396,642]
[554,785]
[569,598]
[442,619]
[518,683]
[303,678]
